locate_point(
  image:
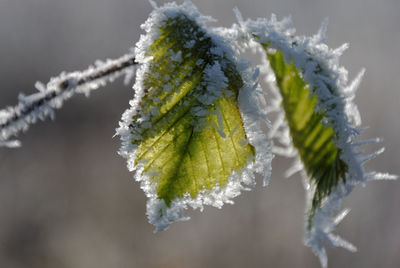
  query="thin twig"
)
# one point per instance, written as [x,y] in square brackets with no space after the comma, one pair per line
[41,104]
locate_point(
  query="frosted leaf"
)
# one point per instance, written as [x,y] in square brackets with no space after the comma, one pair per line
[322,121]
[194,137]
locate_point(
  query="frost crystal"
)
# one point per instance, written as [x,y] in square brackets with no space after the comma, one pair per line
[327,81]
[51,96]
[193,132]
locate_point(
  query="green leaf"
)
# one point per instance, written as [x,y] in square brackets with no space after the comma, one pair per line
[193,133]
[311,91]
[190,145]
[313,139]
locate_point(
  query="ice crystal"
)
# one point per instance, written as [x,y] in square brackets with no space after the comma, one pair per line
[313,71]
[51,96]
[193,133]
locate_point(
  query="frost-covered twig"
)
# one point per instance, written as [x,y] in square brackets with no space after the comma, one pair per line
[51,96]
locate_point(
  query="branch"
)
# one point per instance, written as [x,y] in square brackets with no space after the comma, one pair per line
[40,105]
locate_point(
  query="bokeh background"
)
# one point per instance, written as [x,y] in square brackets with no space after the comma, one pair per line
[68,201]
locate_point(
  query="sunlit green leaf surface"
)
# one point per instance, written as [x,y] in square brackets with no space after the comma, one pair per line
[192,137]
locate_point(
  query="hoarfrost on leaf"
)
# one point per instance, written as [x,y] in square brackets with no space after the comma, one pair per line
[183,135]
[316,118]
[193,134]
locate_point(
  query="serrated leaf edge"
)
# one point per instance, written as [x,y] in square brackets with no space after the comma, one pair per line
[249,101]
[308,54]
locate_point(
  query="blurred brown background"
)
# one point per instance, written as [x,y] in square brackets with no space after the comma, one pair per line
[67,199]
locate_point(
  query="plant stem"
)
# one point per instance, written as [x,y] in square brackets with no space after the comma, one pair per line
[51,96]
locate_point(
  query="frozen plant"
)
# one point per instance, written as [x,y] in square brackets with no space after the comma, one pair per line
[193,134]
[51,96]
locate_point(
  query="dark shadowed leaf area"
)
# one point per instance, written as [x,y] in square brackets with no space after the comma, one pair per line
[312,139]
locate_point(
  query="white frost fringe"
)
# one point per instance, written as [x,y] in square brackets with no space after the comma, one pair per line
[52,96]
[249,101]
[319,67]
